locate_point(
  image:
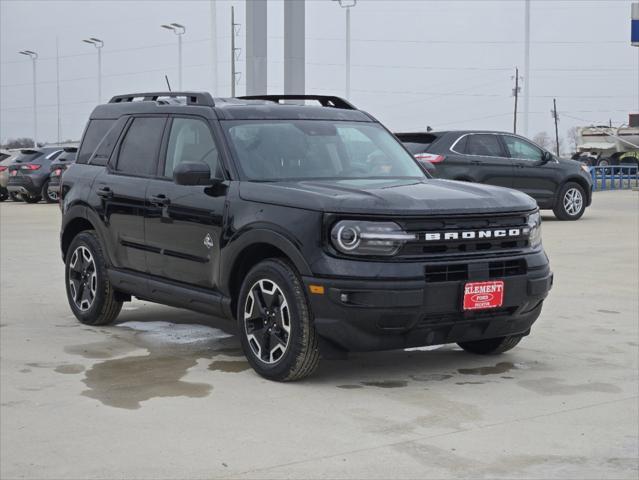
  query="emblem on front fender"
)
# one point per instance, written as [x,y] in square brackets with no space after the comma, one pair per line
[208,241]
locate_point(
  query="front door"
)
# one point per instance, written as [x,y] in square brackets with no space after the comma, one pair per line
[121,191]
[488,162]
[184,222]
[532,175]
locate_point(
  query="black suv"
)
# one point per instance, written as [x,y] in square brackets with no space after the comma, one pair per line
[311,226]
[29,174]
[506,160]
[57,168]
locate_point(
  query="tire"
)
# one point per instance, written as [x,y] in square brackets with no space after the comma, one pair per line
[4,194]
[15,197]
[98,305]
[491,346]
[299,356]
[571,202]
[46,195]
[31,198]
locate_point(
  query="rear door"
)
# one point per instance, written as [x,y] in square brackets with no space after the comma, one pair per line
[184,222]
[531,174]
[121,190]
[486,159]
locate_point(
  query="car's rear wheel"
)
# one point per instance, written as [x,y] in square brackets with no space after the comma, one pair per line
[50,197]
[89,291]
[15,197]
[4,194]
[571,202]
[491,346]
[31,198]
[275,322]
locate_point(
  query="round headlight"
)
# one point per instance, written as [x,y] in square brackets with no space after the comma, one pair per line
[348,237]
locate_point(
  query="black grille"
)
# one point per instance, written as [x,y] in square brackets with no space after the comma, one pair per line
[447,318]
[458,272]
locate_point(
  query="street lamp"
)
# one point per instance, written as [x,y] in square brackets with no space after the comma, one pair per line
[179,30]
[348,4]
[33,55]
[98,44]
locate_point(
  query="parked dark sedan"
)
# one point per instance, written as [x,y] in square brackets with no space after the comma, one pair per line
[29,173]
[58,166]
[506,160]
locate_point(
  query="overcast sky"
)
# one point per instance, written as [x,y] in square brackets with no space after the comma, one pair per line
[447,64]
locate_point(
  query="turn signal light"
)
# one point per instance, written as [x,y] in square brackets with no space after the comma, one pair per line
[316,289]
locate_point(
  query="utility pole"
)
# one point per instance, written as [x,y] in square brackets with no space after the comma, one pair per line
[516,91]
[526,66]
[234,50]
[57,85]
[33,56]
[556,117]
[213,9]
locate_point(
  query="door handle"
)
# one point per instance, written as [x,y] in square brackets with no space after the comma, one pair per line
[104,192]
[160,200]
[519,165]
[475,162]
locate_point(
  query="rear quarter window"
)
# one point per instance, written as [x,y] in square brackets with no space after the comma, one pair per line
[95,132]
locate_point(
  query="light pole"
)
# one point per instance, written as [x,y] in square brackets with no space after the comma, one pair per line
[179,30]
[348,4]
[98,44]
[33,55]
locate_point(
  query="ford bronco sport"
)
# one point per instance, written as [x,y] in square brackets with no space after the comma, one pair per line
[310,225]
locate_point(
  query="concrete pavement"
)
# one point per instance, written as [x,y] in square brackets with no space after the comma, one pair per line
[168,394]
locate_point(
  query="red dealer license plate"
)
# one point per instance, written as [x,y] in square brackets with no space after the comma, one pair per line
[483,295]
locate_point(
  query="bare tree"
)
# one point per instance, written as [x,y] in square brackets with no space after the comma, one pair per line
[573,138]
[22,142]
[543,140]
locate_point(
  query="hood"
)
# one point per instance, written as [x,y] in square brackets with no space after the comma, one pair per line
[572,164]
[389,196]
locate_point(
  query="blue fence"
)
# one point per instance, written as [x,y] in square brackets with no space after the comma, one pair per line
[615,177]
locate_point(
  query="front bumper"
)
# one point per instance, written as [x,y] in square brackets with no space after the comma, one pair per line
[366,315]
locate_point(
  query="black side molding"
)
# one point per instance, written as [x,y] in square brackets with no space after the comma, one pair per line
[165,292]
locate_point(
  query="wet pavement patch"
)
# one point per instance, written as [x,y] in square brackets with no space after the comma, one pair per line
[430,377]
[501,367]
[608,311]
[69,368]
[125,382]
[386,383]
[350,387]
[232,366]
[163,354]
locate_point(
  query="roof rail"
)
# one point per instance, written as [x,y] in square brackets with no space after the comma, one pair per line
[324,100]
[192,98]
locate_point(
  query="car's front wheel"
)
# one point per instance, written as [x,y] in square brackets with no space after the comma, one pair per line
[275,322]
[31,198]
[571,202]
[15,197]
[89,291]
[4,194]
[491,346]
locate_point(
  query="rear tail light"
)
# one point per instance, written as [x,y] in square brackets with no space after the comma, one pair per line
[430,157]
[57,172]
[2,168]
[30,166]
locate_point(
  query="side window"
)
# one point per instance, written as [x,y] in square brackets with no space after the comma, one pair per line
[139,149]
[460,145]
[92,136]
[484,145]
[518,148]
[191,141]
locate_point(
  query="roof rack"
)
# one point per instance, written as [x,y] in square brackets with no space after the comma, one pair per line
[324,100]
[192,98]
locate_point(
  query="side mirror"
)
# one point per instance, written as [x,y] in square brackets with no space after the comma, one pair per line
[192,173]
[546,157]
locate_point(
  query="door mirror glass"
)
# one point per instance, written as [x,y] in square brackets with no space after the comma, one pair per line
[192,173]
[546,157]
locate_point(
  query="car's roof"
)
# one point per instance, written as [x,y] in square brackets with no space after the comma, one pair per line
[264,107]
[460,132]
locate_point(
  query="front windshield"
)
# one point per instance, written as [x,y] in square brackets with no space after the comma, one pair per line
[270,150]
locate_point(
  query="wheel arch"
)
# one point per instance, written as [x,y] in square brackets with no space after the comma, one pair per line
[77,219]
[248,251]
